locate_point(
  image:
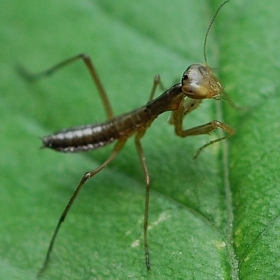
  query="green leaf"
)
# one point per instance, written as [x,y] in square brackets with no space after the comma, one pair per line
[212,218]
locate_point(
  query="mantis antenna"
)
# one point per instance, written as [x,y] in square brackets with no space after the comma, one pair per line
[208,30]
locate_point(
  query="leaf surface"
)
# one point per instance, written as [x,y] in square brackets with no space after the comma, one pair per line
[216,217]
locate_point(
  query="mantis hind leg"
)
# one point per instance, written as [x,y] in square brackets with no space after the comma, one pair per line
[86,59]
[84,179]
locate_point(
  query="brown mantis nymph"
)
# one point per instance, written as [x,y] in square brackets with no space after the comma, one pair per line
[198,83]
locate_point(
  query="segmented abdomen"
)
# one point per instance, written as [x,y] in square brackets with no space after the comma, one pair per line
[76,139]
[89,137]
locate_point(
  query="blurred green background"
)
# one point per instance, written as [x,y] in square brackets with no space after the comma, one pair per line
[212,218]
